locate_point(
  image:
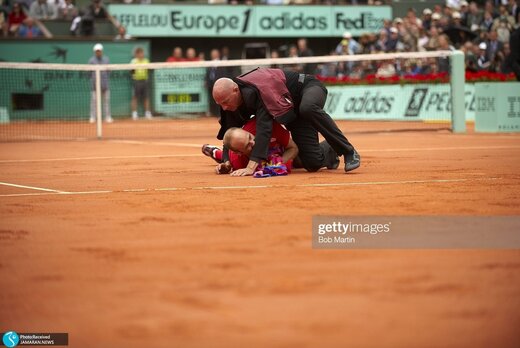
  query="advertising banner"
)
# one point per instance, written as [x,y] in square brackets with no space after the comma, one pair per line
[497,107]
[249,21]
[180,91]
[418,102]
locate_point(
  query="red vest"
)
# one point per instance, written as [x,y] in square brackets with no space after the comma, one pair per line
[270,84]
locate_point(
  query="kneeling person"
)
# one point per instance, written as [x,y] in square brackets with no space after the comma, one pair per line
[282,149]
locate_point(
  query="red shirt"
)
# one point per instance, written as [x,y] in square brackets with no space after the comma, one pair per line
[279,137]
[13,19]
[174,59]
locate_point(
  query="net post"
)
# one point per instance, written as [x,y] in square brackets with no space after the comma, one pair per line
[99,130]
[457,82]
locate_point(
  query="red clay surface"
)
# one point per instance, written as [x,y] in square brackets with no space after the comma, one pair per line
[172,255]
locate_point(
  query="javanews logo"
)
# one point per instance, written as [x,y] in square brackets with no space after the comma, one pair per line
[11,339]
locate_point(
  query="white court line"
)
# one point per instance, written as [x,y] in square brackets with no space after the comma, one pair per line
[98,158]
[391,182]
[412,149]
[163,143]
[200,154]
[32,187]
[342,184]
[498,147]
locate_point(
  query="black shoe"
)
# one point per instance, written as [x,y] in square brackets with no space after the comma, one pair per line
[352,161]
[335,160]
[209,151]
[331,157]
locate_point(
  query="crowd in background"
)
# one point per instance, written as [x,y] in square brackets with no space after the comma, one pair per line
[21,18]
[480,30]
[481,33]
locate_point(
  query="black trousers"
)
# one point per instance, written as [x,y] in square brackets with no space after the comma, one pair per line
[311,120]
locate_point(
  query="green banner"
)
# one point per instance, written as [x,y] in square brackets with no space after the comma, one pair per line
[67,52]
[249,21]
[497,107]
[60,94]
[415,102]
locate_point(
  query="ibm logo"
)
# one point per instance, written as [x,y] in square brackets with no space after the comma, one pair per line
[514,106]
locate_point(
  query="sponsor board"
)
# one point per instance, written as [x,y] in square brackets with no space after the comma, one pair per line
[420,102]
[497,107]
[249,21]
[180,91]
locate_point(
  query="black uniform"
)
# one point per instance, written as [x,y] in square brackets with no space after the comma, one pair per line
[514,57]
[309,97]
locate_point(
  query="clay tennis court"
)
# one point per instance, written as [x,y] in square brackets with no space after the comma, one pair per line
[136,242]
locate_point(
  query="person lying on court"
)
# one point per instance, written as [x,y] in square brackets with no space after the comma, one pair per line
[292,99]
[281,153]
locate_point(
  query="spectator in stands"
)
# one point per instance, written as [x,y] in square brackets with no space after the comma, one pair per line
[67,11]
[122,35]
[408,33]
[475,17]
[487,23]
[140,85]
[464,11]
[324,69]
[15,19]
[398,23]
[456,19]
[422,40]
[514,9]
[436,17]
[427,19]
[386,69]
[470,58]
[382,41]
[387,24]
[191,55]
[97,10]
[505,68]
[212,75]
[444,21]
[497,62]
[293,53]
[482,60]
[305,51]
[490,7]
[99,58]
[433,42]
[393,43]
[40,9]
[493,45]
[503,31]
[224,53]
[411,16]
[3,24]
[176,55]
[76,23]
[514,56]
[4,8]
[353,45]
[444,45]
[504,16]
[28,30]
[453,4]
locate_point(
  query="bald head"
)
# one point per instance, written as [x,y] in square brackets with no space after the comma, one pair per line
[239,140]
[227,94]
[223,86]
